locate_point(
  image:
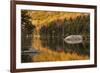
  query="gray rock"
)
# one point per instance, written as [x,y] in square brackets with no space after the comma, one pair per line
[73,39]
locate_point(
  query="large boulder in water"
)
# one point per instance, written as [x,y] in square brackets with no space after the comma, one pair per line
[73,39]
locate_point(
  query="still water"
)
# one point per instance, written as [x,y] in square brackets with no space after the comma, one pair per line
[56,43]
[53,48]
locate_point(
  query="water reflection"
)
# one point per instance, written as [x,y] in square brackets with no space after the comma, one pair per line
[57,43]
[54,47]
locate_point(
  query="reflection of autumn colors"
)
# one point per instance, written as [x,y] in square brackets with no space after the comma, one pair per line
[48,55]
[49,33]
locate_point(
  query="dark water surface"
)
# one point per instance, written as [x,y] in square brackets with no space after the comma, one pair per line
[55,43]
[58,44]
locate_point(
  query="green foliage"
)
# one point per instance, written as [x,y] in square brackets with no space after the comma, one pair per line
[26,23]
[79,25]
[26,30]
[56,31]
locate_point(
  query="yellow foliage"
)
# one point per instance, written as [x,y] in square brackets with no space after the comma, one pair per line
[40,18]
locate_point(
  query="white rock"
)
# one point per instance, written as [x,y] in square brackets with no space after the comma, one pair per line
[73,39]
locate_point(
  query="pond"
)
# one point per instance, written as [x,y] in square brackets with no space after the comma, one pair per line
[58,44]
[51,48]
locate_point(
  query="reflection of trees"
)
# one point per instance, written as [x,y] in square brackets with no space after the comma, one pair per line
[53,34]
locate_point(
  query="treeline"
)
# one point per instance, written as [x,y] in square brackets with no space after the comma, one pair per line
[77,26]
[52,35]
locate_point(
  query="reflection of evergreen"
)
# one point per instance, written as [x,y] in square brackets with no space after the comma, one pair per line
[26,34]
[56,31]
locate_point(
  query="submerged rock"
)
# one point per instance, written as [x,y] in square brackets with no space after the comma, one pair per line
[30,51]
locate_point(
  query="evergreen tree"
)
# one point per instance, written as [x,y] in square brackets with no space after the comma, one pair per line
[26,29]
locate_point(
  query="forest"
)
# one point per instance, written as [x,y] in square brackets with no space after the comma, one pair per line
[44,31]
[79,25]
[56,31]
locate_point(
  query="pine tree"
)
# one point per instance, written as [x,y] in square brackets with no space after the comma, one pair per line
[26,29]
